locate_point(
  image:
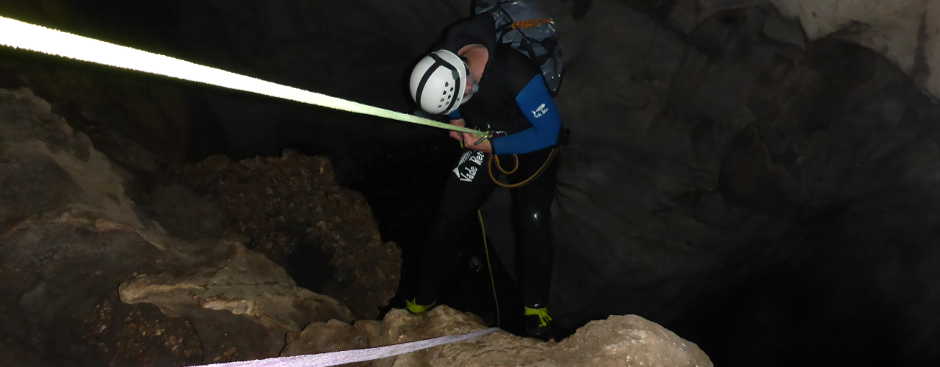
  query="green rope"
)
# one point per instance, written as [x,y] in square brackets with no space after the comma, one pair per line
[25,36]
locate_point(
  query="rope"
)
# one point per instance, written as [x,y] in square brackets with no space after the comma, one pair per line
[486,247]
[538,172]
[25,36]
[355,355]
[489,265]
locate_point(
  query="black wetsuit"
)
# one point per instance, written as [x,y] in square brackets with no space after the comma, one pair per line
[512,98]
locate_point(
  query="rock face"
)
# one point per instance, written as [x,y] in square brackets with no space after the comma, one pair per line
[617,341]
[88,278]
[904,31]
[291,209]
[726,169]
[141,124]
[731,167]
[246,284]
[70,236]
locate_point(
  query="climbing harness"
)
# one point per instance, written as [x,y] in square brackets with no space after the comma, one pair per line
[499,166]
[355,355]
[494,160]
[26,36]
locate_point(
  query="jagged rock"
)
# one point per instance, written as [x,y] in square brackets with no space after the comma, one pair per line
[659,201]
[617,341]
[904,31]
[246,283]
[40,148]
[785,30]
[140,334]
[184,213]
[333,336]
[70,235]
[688,14]
[141,124]
[292,210]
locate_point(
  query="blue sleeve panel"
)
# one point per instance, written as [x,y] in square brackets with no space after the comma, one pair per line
[455,115]
[539,108]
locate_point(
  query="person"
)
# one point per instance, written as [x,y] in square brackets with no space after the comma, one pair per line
[480,83]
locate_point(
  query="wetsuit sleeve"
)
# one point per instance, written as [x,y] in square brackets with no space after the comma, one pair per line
[539,108]
[455,115]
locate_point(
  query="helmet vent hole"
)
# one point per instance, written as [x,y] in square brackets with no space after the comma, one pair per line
[446,84]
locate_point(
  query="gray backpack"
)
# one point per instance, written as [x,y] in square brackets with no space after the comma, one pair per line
[527,28]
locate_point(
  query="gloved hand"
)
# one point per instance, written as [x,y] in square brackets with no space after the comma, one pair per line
[476,142]
[470,141]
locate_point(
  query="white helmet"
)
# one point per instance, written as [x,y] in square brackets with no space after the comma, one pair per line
[438,82]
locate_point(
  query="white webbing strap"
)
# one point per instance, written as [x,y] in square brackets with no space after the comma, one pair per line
[355,355]
[22,35]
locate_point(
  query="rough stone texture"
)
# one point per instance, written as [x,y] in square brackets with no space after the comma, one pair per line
[291,209]
[628,340]
[686,15]
[139,334]
[142,124]
[904,31]
[785,30]
[334,336]
[727,160]
[720,175]
[617,341]
[69,236]
[245,284]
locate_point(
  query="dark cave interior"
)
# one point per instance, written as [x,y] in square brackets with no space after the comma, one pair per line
[844,271]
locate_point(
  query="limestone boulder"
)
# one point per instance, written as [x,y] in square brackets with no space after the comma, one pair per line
[246,284]
[626,340]
[70,236]
[291,209]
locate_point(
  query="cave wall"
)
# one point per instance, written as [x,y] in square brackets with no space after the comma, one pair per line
[88,278]
[905,32]
[726,170]
[329,47]
[725,158]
